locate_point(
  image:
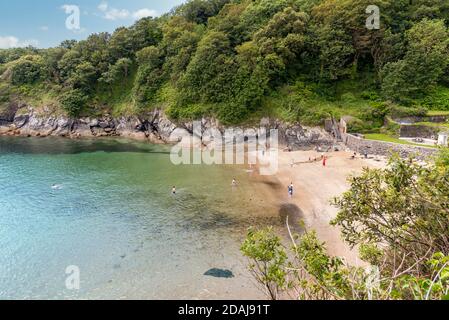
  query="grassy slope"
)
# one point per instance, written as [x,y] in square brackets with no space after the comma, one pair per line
[388,138]
[116,99]
[311,103]
[438,113]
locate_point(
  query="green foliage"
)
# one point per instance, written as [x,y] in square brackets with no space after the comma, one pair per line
[401,112]
[435,287]
[207,76]
[27,70]
[73,102]
[424,63]
[83,77]
[237,57]
[119,70]
[189,112]
[117,96]
[404,207]
[9,55]
[199,11]
[437,99]
[268,260]
[150,76]
[307,272]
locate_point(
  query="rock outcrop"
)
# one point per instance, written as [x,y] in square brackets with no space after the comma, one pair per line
[155,128]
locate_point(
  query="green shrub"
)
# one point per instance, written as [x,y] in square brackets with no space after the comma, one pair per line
[348,97]
[73,102]
[437,100]
[370,95]
[187,112]
[400,111]
[26,72]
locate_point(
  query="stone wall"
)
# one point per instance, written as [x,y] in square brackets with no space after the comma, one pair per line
[413,131]
[411,120]
[382,148]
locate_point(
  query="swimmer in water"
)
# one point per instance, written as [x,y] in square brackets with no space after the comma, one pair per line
[56,187]
[173,190]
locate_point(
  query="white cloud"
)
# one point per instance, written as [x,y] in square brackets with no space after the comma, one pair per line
[103,6]
[116,14]
[143,13]
[111,13]
[8,42]
[44,28]
[13,42]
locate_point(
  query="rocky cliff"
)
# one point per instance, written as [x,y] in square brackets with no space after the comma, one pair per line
[23,120]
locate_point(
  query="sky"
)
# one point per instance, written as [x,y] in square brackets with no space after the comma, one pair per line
[44,23]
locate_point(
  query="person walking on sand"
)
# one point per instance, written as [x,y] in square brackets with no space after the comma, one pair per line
[324,161]
[234,183]
[290,190]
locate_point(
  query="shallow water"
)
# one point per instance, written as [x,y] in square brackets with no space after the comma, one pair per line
[111,213]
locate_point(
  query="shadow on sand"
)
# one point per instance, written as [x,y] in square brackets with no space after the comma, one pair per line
[295,217]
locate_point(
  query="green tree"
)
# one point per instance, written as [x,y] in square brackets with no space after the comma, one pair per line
[268,261]
[74,102]
[67,64]
[51,58]
[424,63]
[207,76]
[149,76]
[83,77]
[119,70]
[179,44]
[308,272]
[199,11]
[402,211]
[27,69]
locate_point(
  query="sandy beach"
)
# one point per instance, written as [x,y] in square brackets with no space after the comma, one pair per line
[314,187]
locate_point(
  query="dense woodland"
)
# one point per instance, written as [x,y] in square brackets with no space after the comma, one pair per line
[238,60]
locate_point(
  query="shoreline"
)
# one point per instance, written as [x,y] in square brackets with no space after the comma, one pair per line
[154,127]
[310,201]
[315,187]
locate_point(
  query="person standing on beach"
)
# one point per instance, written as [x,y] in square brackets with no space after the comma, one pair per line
[173,190]
[324,161]
[290,190]
[234,182]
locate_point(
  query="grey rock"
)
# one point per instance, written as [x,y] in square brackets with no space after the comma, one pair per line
[156,127]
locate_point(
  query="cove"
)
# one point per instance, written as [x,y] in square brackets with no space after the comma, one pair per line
[114,217]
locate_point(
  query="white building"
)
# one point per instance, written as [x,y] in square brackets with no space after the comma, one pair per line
[443,139]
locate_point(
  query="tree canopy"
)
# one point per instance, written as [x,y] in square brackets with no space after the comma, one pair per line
[227,57]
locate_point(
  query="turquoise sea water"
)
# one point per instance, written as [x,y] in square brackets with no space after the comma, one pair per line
[112,215]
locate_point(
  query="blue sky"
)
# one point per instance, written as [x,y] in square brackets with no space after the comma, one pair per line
[43,23]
